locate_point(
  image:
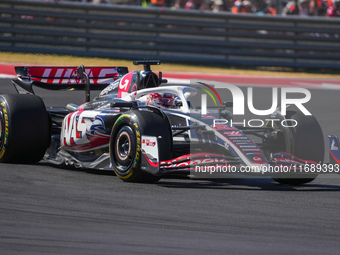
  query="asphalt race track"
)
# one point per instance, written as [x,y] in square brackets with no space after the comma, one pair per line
[50,210]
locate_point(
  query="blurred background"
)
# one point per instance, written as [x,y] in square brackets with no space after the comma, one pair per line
[329,8]
[272,34]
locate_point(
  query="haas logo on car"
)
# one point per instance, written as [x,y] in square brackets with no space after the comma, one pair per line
[58,75]
[74,128]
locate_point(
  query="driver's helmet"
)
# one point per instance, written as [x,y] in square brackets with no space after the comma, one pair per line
[164,100]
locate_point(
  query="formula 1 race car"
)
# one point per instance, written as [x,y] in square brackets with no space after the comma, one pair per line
[143,128]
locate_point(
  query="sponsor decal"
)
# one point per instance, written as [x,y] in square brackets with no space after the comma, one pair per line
[84,128]
[241,141]
[209,116]
[233,133]
[150,150]
[253,153]
[108,89]
[148,142]
[194,162]
[67,75]
[257,159]
[222,126]
[248,146]
[333,146]
[238,137]
[124,84]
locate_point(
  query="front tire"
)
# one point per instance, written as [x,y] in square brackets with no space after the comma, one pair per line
[125,144]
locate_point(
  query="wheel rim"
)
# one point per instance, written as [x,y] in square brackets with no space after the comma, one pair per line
[124,149]
[123,146]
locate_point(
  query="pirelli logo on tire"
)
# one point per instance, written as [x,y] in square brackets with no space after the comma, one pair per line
[4,129]
[138,138]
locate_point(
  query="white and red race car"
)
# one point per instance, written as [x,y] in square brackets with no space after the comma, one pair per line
[142,129]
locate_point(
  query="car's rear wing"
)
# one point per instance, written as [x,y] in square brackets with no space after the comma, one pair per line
[65,78]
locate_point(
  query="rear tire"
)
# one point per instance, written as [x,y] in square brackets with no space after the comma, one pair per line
[24,129]
[125,144]
[305,141]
